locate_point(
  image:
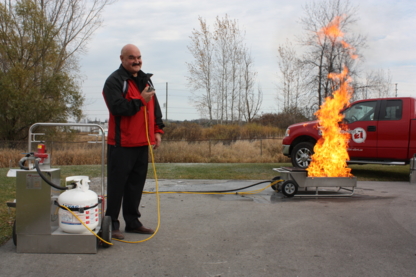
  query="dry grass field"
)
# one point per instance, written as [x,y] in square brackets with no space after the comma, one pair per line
[214,151]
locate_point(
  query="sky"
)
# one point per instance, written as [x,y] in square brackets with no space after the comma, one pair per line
[162,29]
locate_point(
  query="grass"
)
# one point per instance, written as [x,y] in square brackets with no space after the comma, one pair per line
[236,171]
[399,173]
[7,193]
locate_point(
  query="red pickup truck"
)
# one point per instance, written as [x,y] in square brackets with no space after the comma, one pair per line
[383,131]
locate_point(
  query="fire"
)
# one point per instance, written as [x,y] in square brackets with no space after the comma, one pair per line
[330,158]
[332,31]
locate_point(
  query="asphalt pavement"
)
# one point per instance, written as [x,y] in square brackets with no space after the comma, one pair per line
[372,233]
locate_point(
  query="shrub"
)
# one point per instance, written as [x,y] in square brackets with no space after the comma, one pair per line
[282,120]
[223,132]
[183,131]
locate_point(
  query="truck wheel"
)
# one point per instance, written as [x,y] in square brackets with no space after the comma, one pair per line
[301,154]
[289,188]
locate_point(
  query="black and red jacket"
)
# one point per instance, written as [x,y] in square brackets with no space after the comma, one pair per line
[122,94]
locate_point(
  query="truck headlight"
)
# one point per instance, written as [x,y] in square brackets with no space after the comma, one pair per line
[287,133]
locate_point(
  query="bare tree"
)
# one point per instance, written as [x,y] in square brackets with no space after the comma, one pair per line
[292,76]
[304,80]
[377,84]
[223,35]
[252,101]
[324,54]
[383,84]
[201,70]
[222,68]
[73,21]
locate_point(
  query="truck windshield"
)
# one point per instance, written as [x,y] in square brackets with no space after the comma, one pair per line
[363,111]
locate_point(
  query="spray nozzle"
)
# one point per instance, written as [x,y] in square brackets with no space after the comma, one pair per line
[149,82]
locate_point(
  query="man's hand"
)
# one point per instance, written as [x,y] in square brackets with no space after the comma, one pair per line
[158,138]
[147,94]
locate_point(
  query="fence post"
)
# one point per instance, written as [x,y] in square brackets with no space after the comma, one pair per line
[261,147]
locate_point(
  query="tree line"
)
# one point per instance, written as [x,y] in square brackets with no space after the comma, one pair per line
[41,40]
[220,91]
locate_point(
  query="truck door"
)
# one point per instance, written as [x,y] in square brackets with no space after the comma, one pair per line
[362,124]
[393,130]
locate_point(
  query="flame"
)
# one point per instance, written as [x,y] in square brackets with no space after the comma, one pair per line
[350,49]
[335,35]
[332,31]
[330,158]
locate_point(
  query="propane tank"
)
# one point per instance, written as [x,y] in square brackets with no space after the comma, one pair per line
[82,198]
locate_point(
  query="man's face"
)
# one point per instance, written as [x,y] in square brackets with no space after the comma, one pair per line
[131,59]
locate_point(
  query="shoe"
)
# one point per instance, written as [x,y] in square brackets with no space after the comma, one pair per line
[117,234]
[140,230]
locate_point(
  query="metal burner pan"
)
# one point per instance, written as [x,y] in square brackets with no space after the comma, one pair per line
[303,182]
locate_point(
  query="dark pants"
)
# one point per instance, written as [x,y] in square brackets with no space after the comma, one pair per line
[126,176]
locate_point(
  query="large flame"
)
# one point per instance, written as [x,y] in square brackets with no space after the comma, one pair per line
[330,158]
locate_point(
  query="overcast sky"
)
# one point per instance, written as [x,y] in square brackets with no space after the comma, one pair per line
[161,29]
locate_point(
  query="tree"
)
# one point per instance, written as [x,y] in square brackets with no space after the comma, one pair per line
[292,77]
[324,54]
[251,101]
[39,44]
[221,76]
[201,71]
[377,84]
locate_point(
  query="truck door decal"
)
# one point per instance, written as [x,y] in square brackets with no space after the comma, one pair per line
[358,135]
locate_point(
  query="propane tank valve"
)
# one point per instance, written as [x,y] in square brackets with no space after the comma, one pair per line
[44,159]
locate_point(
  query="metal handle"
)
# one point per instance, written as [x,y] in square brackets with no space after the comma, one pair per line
[75,124]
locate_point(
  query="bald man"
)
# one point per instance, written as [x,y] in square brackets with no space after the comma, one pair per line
[129,94]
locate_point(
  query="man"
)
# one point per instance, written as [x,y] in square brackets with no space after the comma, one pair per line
[129,94]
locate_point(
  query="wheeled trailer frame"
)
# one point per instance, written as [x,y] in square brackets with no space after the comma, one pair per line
[295,182]
[36,228]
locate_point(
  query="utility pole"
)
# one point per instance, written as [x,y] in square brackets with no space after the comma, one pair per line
[396,89]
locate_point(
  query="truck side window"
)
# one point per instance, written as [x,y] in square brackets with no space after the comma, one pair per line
[363,111]
[392,110]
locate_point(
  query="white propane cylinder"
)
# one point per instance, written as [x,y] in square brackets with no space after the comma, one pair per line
[79,197]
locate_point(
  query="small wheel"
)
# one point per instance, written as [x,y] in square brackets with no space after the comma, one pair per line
[289,188]
[275,187]
[14,234]
[106,231]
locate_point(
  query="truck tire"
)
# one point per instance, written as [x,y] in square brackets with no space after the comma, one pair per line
[301,154]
